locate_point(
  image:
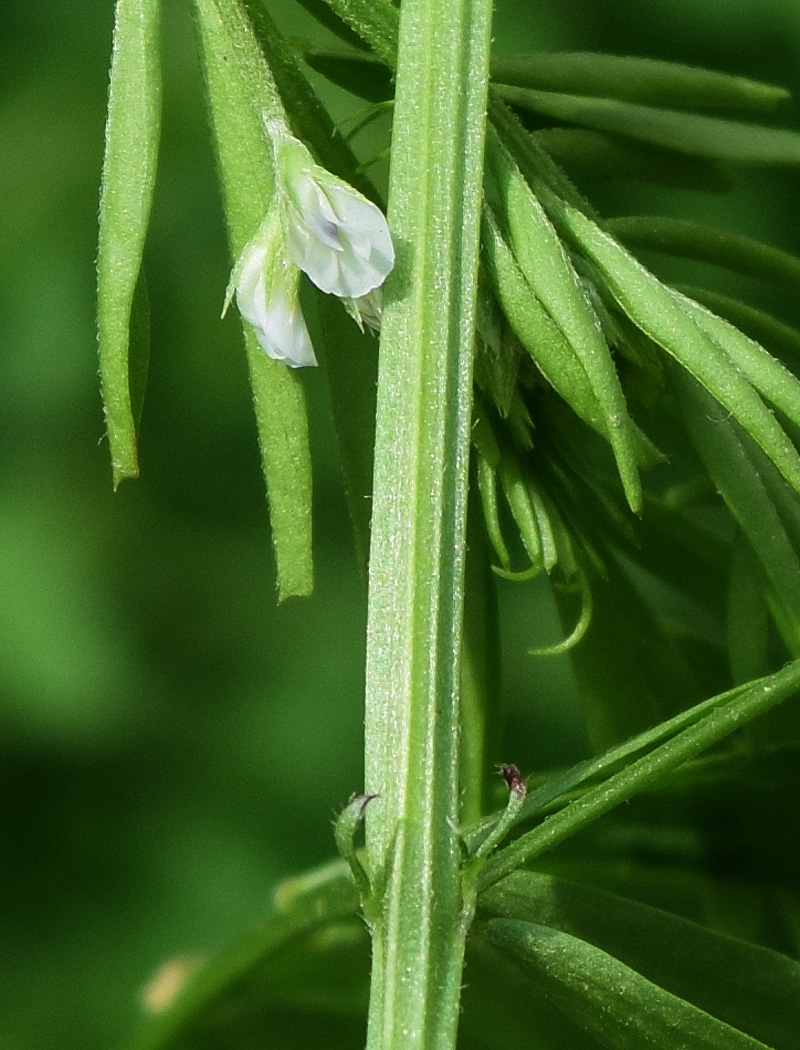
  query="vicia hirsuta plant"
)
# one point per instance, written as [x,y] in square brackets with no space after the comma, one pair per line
[607,426]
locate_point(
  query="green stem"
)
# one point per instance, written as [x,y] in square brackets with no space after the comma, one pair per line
[417,553]
[252,66]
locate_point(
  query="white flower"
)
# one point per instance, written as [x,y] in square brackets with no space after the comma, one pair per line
[318,224]
[334,234]
[265,283]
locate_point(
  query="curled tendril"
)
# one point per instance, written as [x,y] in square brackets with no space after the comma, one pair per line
[580,628]
[517,575]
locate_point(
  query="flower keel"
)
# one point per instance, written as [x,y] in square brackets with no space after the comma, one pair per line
[266,294]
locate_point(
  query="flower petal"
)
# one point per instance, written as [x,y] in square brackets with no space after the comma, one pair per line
[333,234]
[337,237]
[266,294]
[282,332]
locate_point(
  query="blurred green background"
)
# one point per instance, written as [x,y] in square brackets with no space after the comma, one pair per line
[172,743]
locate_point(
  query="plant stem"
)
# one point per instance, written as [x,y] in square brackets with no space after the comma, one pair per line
[418,527]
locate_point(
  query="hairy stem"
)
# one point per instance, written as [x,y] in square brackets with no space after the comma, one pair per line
[419,917]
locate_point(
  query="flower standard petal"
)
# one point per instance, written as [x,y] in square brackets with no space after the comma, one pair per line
[336,236]
[333,233]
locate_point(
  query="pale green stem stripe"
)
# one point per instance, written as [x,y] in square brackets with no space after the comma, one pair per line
[417,554]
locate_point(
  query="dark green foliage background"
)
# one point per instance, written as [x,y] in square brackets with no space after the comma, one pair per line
[172,744]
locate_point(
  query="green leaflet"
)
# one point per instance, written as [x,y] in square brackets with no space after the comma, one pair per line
[498,354]
[713,359]
[532,159]
[600,154]
[775,382]
[538,333]
[530,515]
[325,14]
[487,487]
[750,494]
[702,726]
[486,458]
[622,1009]
[634,79]
[543,534]
[129,172]
[691,240]
[545,537]
[691,133]
[626,78]
[556,789]
[239,87]
[777,337]
[502,1007]
[746,986]
[546,267]
[575,367]
[139,349]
